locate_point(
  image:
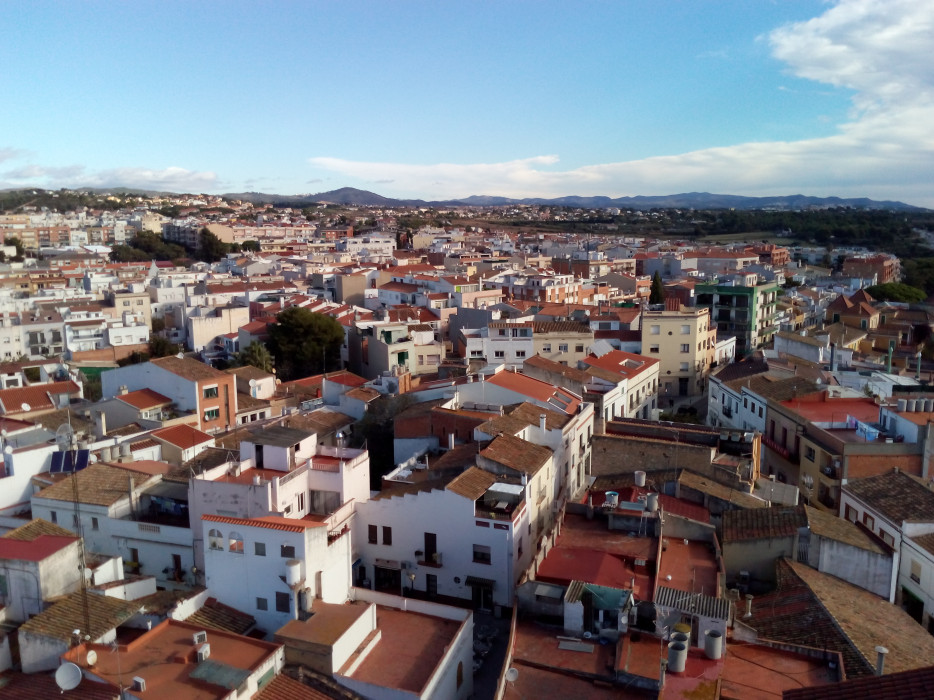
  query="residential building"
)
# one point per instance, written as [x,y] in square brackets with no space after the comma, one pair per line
[683,340]
[742,307]
[192,385]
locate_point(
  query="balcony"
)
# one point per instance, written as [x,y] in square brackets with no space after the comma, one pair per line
[430,559]
[792,457]
[726,411]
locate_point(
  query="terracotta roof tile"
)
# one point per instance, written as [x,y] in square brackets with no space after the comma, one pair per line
[896,495]
[762,523]
[34,528]
[182,436]
[99,484]
[517,454]
[223,617]
[42,686]
[35,396]
[60,620]
[472,484]
[188,368]
[285,688]
[144,398]
[270,522]
[907,685]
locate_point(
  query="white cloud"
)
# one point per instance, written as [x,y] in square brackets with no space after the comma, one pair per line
[171,179]
[880,49]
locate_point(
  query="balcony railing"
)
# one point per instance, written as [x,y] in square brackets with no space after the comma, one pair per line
[432,559]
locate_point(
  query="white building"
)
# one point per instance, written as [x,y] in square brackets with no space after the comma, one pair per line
[467,538]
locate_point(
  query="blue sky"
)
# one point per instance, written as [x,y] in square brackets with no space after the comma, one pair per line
[451,99]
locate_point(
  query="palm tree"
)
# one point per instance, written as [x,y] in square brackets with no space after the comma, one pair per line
[257,356]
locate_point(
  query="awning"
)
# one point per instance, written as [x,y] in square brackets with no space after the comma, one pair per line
[477,581]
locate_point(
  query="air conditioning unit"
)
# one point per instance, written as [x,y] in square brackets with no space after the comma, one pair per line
[139,683]
[204,651]
[199,638]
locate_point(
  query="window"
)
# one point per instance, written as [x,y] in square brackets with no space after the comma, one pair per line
[887,538]
[287,551]
[760,411]
[499,354]
[655,330]
[215,540]
[210,392]
[851,513]
[520,353]
[283,602]
[745,402]
[563,347]
[578,348]
[481,554]
[869,521]
[684,367]
[460,674]
[520,546]
[808,453]
[387,535]
[685,330]
[654,348]
[95,525]
[262,604]
[212,414]
[54,516]
[685,347]
[916,571]
[235,543]
[546,347]
[371,532]
[259,549]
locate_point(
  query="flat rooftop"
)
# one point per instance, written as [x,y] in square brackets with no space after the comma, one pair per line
[326,626]
[587,551]
[540,645]
[167,659]
[410,649]
[692,566]
[755,672]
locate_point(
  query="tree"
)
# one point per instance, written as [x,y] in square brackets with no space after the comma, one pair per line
[161,347]
[256,355]
[304,343]
[896,291]
[657,295]
[211,248]
[250,246]
[18,244]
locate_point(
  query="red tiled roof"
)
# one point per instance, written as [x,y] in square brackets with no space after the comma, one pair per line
[33,550]
[285,688]
[181,436]
[537,389]
[35,396]
[270,522]
[907,685]
[144,398]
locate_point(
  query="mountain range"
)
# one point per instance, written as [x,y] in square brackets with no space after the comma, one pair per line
[351,196]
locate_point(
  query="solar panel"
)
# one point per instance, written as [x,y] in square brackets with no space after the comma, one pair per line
[82,458]
[57,459]
[68,465]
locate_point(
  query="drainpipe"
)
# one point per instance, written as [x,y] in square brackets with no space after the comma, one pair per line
[888,364]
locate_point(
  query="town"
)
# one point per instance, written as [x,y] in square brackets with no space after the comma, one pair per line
[337,450]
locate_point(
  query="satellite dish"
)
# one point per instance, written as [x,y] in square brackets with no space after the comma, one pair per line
[253,382]
[180,356]
[92,657]
[25,406]
[68,676]
[512,675]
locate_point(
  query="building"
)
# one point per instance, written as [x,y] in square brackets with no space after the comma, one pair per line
[192,386]
[742,307]
[683,339]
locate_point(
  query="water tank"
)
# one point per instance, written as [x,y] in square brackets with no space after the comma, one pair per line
[125,450]
[640,478]
[677,657]
[293,572]
[612,499]
[902,405]
[681,633]
[713,644]
[929,405]
[651,502]
[912,405]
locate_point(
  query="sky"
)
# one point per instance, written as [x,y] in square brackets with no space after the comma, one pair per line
[440,100]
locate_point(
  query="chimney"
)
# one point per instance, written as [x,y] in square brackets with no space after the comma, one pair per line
[748,613]
[833,357]
[542,422]
[450,441]
[880,659]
